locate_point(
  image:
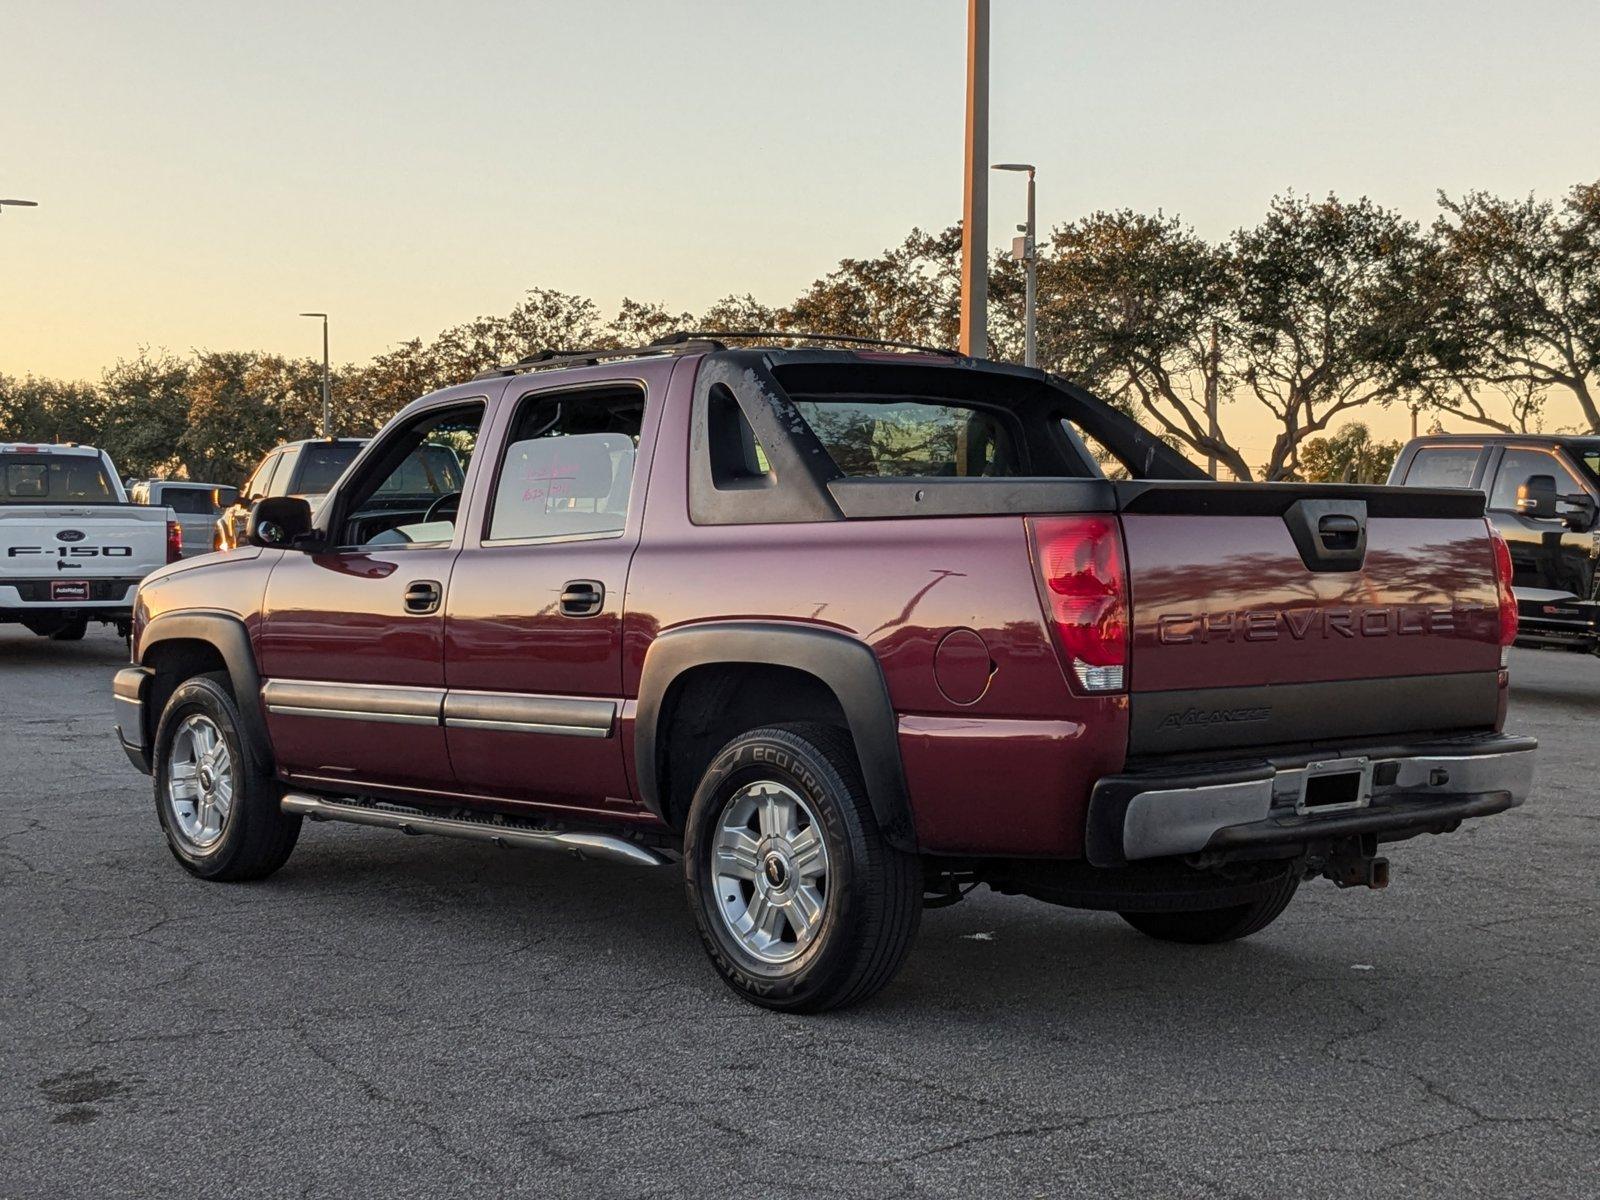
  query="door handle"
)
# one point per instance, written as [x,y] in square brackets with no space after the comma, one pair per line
[582,598]
[423,596]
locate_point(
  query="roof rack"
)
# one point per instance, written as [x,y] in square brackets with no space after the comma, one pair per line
[689,341]
[549,359]
[720,336]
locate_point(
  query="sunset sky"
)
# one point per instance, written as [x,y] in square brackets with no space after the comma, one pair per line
[206,171]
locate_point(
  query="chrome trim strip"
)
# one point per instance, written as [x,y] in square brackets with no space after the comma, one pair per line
[383,703]
[581,845]
[508,712]
[525,727]
[347,714]
[495,712]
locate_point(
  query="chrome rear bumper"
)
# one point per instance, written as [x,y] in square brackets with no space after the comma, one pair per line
[1254,805]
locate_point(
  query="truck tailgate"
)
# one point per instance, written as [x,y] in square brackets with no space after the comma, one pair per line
[48,541]
[1247,631]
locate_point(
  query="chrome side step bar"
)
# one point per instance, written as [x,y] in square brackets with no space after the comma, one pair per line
[580,845]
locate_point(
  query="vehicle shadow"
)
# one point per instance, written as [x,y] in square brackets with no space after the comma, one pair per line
[20,647]
[1013,962]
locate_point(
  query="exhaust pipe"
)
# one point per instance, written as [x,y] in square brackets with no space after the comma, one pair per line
[599,846]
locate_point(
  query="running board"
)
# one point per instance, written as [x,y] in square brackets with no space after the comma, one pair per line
[581,845]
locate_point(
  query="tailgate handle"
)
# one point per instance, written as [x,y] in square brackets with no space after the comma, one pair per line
[1331,535]
[1339,532]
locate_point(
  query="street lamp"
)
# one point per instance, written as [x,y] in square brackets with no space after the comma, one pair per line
[327,392]
[18,204]
[1025,250]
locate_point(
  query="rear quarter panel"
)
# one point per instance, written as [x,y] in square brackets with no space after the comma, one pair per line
[1008,773]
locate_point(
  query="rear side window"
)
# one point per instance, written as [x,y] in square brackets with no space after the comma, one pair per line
[54,479]
[188,500]
[1106,461]
[568,465]
[1443,466]
[321,464]
[896,439]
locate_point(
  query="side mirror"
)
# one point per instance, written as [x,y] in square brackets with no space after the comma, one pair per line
[1538,497]
[278,522]
[1585,510]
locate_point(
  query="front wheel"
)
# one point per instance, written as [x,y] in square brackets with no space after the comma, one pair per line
[215,799]
[802,904]
[1212,925]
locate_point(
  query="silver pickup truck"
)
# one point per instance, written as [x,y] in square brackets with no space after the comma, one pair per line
[72,547]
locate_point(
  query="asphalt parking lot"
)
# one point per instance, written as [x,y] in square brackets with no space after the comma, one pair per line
[411,1017]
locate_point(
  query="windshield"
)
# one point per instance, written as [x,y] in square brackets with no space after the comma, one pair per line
[55,479]
[321,464]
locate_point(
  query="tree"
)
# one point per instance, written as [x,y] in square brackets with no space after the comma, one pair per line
[639,324]
[1144,311]
[735,313]
[231,424]
[147,413]
[291,390]
[50,410]
[1349,455]
[543,320]
[904,294]
[1527,275]
[1329,314]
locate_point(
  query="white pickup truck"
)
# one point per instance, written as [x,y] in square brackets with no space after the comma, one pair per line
[72,548]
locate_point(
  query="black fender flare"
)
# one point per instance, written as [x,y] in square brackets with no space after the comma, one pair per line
[226,633]
[845,665]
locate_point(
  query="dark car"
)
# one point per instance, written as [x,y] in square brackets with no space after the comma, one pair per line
[845,633]
[1544,497]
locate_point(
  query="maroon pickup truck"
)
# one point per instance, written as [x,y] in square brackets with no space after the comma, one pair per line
[847,633]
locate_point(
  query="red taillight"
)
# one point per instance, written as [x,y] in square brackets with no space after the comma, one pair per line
[1502,584]
[1085,589]
[174,541]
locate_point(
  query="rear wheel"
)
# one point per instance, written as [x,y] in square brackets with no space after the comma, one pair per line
[801,903]
[72,631]
[1213,925]
[215,799]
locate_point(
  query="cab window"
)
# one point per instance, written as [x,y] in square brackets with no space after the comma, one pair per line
[568,465]
[409,492]
[48,479]
[1443,466]
[1516,465]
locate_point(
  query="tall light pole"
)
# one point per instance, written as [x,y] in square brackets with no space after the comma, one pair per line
[327,391]
[4,204]
[975,188]
[1025,250]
